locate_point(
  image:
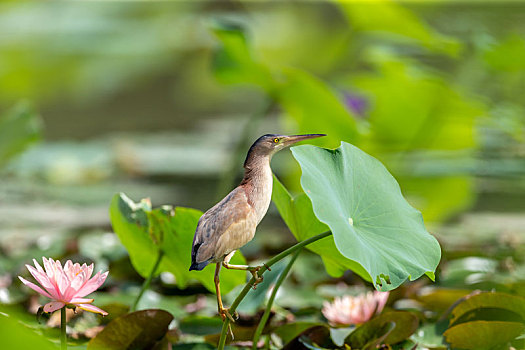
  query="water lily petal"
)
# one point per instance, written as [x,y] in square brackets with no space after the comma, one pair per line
[92,285]
[38,267]
[74,286]
[81,301]
[89,271]
[53,306]
[44,281]
[62,282]
[50,268]
[92,308]
[35,288]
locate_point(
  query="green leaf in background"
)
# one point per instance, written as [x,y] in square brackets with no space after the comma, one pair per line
[439,197]
[19,128]
[440,299]
[415,109]
[138,330]
[315,107]
[14,334]
[130,223]
[372,224]
[481,335]
[143,231]
[493,300]
[200,325]
[508,55]
[299,216]
[233,62]
[486,320]
[289,331]
[405,323]
[390,19]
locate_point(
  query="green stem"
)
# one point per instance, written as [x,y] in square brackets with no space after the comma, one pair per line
[266,314]
[251,282]
[63,336]
[147,282]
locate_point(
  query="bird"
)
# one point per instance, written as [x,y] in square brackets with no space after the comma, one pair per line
[232,222]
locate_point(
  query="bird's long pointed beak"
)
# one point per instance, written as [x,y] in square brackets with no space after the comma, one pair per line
[290,140]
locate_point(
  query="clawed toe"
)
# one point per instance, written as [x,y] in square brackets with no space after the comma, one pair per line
[226,313]
[255,274]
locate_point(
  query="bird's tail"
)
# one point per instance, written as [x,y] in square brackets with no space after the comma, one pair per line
[199,266]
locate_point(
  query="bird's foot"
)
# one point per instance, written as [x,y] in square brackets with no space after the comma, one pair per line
[255,273]
[225,312]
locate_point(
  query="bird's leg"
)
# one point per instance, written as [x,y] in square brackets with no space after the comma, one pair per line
[223,312]
[254,270]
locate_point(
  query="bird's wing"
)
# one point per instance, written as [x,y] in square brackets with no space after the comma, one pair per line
[233,212]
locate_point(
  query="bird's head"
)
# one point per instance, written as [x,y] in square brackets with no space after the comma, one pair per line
[269,144]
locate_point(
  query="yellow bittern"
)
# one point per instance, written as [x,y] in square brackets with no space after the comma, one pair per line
[231,223]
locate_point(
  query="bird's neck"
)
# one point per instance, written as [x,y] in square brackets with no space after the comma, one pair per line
[258,182]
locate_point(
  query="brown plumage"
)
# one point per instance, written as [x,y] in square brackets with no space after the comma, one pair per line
[231,223]
[214,239]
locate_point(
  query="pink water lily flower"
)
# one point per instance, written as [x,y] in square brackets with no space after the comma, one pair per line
[354,310]
[66,286]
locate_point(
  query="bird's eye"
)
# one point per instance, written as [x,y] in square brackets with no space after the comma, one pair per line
[275,140]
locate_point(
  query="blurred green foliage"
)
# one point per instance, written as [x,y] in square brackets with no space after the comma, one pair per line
[411,109]
[14,333]
[20,127]
[434,91]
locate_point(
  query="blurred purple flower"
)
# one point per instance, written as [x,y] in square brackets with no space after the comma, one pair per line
[358,105]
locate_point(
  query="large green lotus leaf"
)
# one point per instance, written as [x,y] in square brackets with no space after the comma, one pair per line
[298,215]
[373,225]
[143,231]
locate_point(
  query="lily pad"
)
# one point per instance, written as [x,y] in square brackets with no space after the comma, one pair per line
[490,302]
[143,231]
[440,299]
[372,223]
[388,328]
[138,330]
[482,335]
[289,331]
